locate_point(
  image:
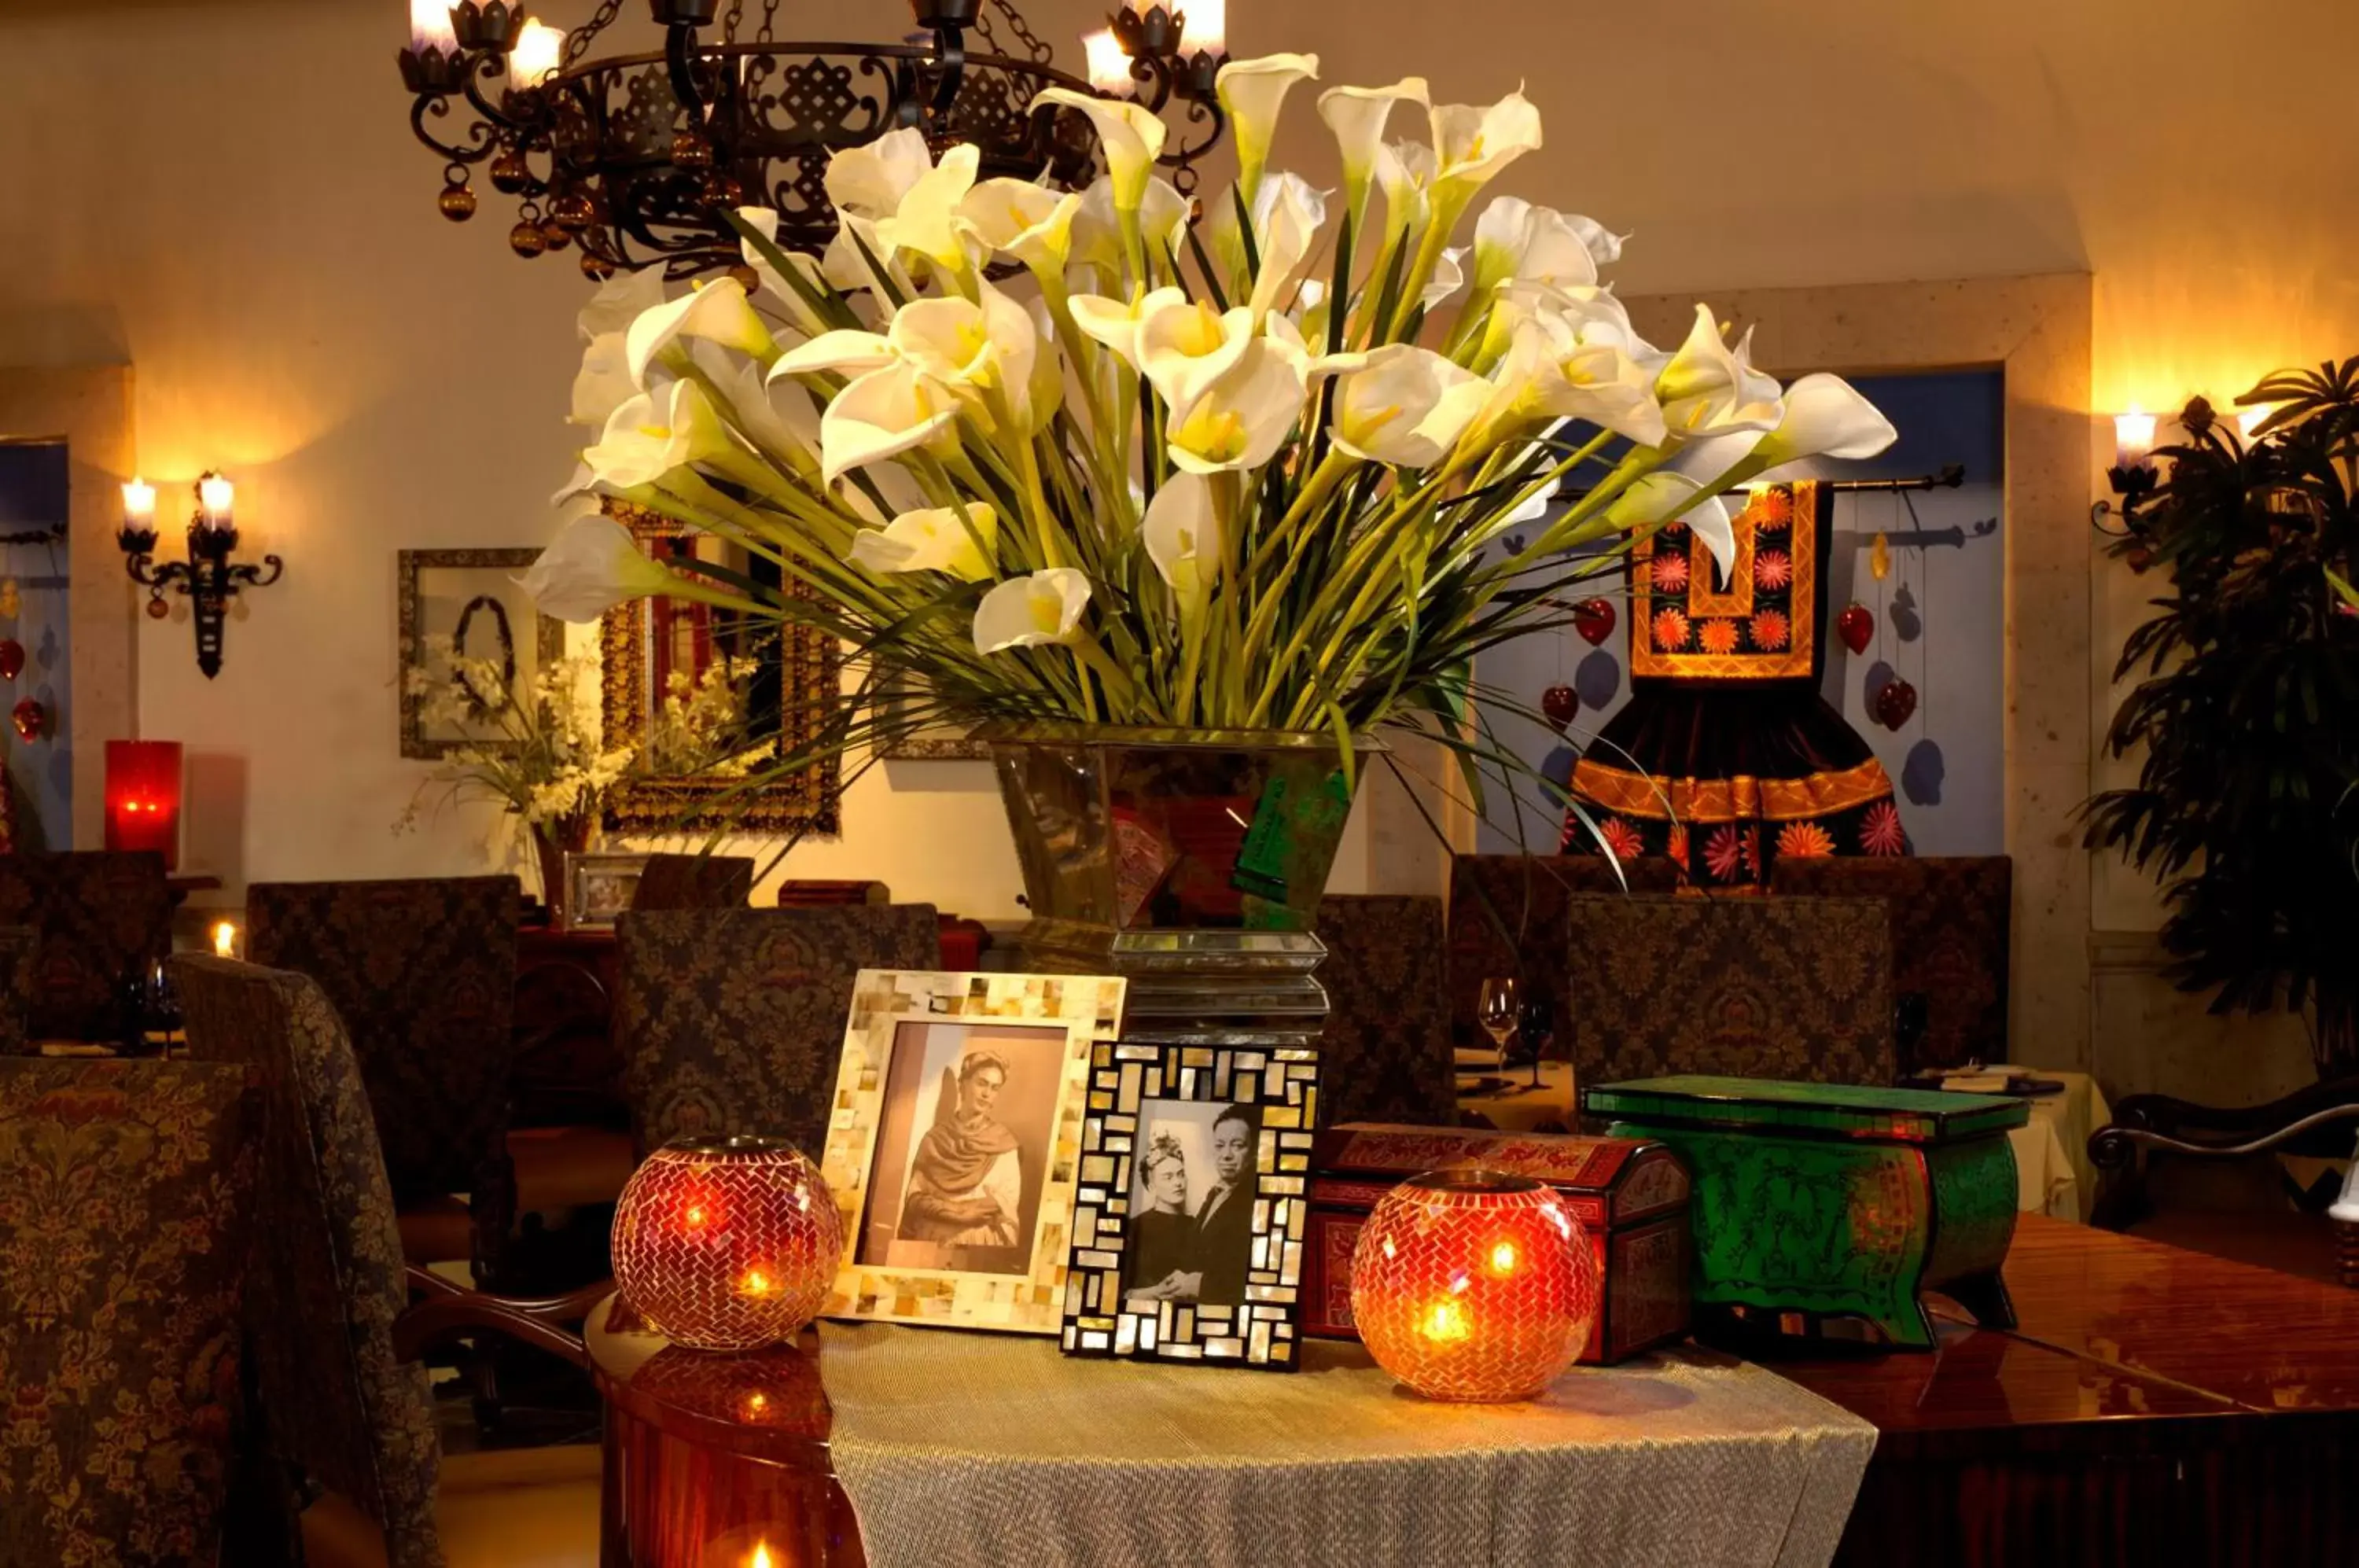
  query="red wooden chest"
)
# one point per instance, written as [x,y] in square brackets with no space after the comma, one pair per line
[1631,1196]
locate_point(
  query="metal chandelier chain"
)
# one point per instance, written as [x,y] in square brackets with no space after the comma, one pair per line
[641,157]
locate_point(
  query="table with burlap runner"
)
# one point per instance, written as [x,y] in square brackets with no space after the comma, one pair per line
[960,1449]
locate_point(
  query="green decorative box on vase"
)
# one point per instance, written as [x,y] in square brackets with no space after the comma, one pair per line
[1824,1208]
[1192,861]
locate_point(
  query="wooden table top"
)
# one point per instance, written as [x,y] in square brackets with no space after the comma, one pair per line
[2112,1329]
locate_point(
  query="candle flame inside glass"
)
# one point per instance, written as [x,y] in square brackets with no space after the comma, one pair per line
[429,26]
[756,1283]
[140,502]
[1503,1257]
[215,497]
[1446,1323]
[1205,28]
[224,940]
[539,51]
[1109,68]
[761,1558]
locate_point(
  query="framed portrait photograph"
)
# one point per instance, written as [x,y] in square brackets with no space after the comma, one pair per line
[954,1144]
[599,887]
[466,603]
[1189,1218]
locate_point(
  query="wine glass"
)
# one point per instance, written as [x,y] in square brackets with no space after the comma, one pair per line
[1500,1012]
[1538,1018]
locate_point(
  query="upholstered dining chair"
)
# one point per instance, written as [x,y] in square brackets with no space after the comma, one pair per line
[1507,917]
[1798,989]
[1952,922]
[695,882]
[125,1207]
[732,1020]
[423,975]
[19,948]
[342,1412]
[104,918]
[1385,1056]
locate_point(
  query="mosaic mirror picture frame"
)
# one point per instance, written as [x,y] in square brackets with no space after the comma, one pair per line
[1150,1106]
[953,1145]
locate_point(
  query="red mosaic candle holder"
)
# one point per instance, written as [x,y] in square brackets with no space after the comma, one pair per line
[143,797]
[727,1243]
[1473,1285]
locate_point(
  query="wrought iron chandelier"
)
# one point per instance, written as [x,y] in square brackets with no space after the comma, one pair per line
[639,158]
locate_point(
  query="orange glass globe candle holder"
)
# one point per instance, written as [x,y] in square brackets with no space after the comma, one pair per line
[727,1243]
[1473,1285]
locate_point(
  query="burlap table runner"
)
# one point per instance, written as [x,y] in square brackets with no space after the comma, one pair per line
[996,1451]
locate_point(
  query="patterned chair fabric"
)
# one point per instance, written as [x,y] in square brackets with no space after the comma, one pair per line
[126,1195]
[732,1020]
[104,918]
[1951,931]
[327,1280]
[423,975]
[1788,988]
[1386,1054]
[20,948]
[695,882]
[1508,917]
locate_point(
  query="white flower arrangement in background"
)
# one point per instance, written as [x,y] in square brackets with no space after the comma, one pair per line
[1088,457]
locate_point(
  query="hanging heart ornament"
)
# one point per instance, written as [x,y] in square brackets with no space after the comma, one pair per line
[12,658]
[32,719]
[1561,704]
[1895,704]
[1593,619]
[1856,626]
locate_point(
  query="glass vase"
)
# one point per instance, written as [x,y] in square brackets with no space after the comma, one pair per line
[1190,862]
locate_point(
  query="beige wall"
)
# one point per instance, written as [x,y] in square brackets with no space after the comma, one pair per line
[227,196]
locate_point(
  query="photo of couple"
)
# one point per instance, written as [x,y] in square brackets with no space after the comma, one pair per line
[1191,1236]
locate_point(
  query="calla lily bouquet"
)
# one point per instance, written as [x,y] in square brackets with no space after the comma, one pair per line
[1286,464]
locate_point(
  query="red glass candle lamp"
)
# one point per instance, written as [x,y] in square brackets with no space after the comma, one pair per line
[143,797]
[727,1243]
[1473,1285]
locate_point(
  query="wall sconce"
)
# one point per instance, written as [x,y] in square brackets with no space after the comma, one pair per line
[2133,475]
[208,579]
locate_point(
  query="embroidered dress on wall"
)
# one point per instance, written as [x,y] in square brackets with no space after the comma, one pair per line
[1727,758]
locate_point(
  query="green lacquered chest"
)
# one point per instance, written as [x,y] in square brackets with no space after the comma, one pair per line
[1824,1208]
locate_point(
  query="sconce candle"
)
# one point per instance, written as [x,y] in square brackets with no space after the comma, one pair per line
[727,1243]
[139,507]
[1472,1285]
[1205,30]
[143,797]
[2132,439]
[429,26]
[216,502]
[225,939]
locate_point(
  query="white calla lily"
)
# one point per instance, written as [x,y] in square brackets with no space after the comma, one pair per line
[1240,421]
[1516,242]
[1183,538]
[1405,172]
[1185,345]
[1707,387]
[1033,611]
[764,221]
[1449,278]
[975,349]
[655,432]
[836,351]
[927,222]
[716,311]
[882,415]
[1825,416]
[1290,224]
[1662,498]
[774,414]
[858,258]
[1358,116]
[1254,93]
[1131,138]
[1406,407]
[593,565]
[1163,220]
[870,181]
[934,539]
[1476,145]
[605,380]
[1115,324]
[1026,222]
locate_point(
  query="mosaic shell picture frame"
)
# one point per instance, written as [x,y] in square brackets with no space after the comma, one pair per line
[1152,1107]
[954,1145]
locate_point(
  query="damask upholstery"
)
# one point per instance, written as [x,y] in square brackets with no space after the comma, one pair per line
[327,1279]
[732,1020]
[1385,1056]
[1508,917]
[20,950]
[695,882]
[125,1202]
[105,917]
[423,975]
[1798,989]
[1950,929]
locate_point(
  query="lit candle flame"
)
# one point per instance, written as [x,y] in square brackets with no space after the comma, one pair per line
[139,503]
[216,497]
[539,51]
[1109,68]
[224,940]
[756,1283]
[761,1558]
[1205,30]
[1503,1257]
[1445,1323]
[429,26]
